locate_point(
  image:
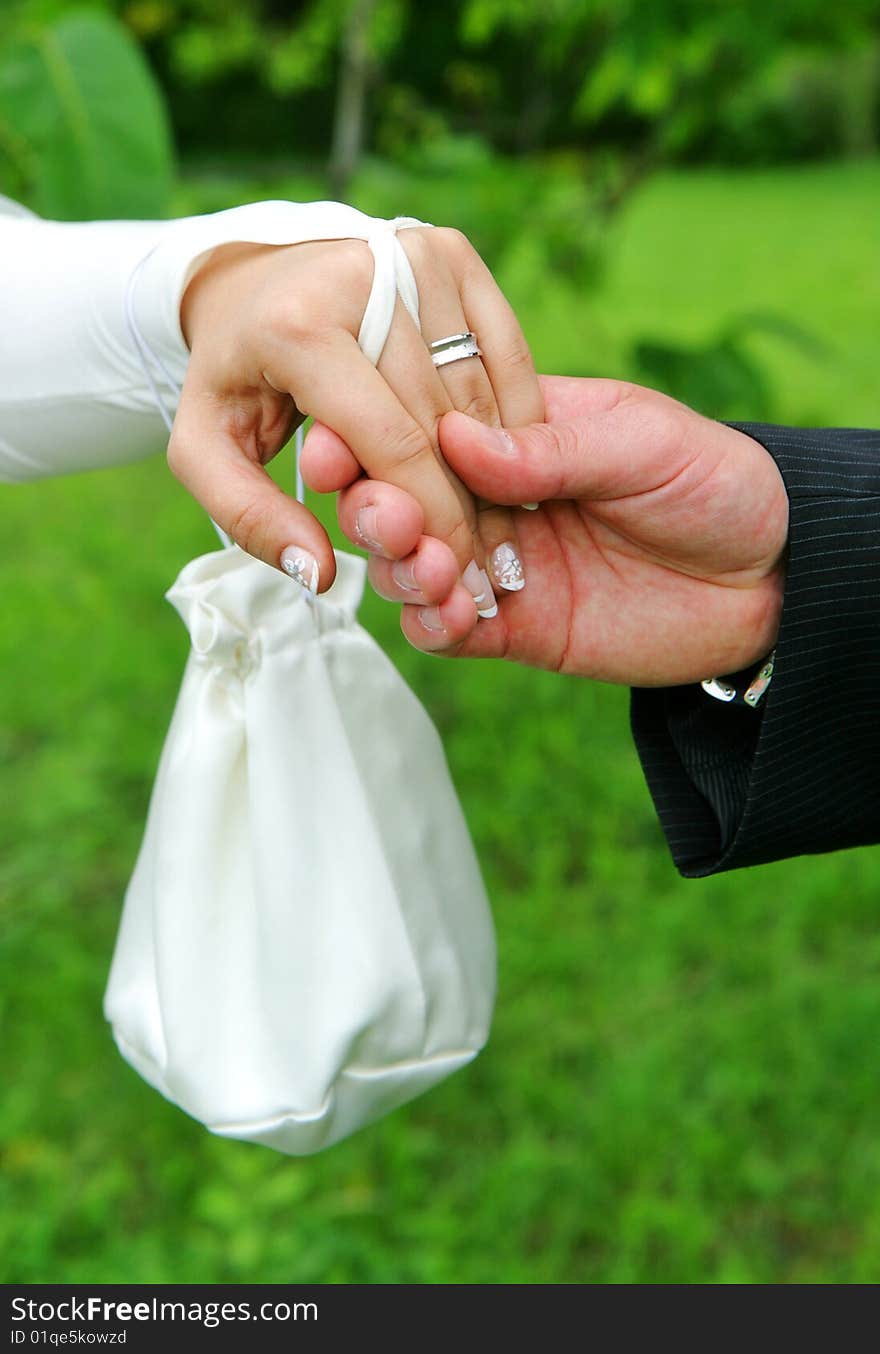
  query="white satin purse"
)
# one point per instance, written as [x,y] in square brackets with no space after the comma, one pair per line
[306,941]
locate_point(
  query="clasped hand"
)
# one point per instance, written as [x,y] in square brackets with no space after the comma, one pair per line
[655,555]
[273,338]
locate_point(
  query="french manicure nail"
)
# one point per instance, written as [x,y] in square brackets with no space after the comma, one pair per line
[404,575]
[472,578]
[367,527]
[507,568]
[489,607]
[302,567]
[430,618]
[476,580]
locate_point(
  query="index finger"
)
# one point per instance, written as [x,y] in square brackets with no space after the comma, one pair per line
[335,383]
[243,499]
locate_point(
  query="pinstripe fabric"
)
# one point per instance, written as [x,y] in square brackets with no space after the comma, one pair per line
[735,787]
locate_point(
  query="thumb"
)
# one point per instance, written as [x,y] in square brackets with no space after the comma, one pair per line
[599,455]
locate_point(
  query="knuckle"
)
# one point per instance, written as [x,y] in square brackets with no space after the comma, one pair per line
[301,313]
[454,242]
[353,263]
[569,452]
[543,442]
[515,361]
[292,319]
[479,403]
[566,440]
[677,419]
[554,445]
[177,457]
[409,447]
[458,536]
[416,242]
[625,392]
[248,526]
[665,426]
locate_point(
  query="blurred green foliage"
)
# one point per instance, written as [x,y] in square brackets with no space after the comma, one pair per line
[681,1082]
[83,125]
[632,85]
[676,77]
[721,374]
[593,95]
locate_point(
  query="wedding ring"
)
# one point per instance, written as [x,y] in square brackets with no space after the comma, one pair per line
[454,348]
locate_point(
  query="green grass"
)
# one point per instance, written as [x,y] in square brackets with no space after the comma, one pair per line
[698,251]
[681,1084]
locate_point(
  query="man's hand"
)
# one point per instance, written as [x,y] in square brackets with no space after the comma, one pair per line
[655,558]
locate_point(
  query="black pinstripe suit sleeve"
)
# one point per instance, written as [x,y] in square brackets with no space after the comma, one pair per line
[801,774]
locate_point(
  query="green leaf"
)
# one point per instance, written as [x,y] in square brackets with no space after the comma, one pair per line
[719,377]
[80,103]
[781,327]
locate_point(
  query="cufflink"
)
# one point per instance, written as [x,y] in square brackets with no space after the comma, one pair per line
[722,689]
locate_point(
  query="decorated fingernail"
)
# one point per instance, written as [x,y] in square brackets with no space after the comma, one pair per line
[507,568]
[530,507]
[404,574]
[476,580]
[367,527]
[430,619]
[302,567]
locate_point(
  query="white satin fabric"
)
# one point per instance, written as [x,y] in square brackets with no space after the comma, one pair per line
[306,942]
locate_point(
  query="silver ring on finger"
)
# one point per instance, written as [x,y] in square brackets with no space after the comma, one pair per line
[454,348]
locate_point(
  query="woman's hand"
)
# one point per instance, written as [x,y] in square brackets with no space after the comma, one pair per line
[273,338]
[656,557]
